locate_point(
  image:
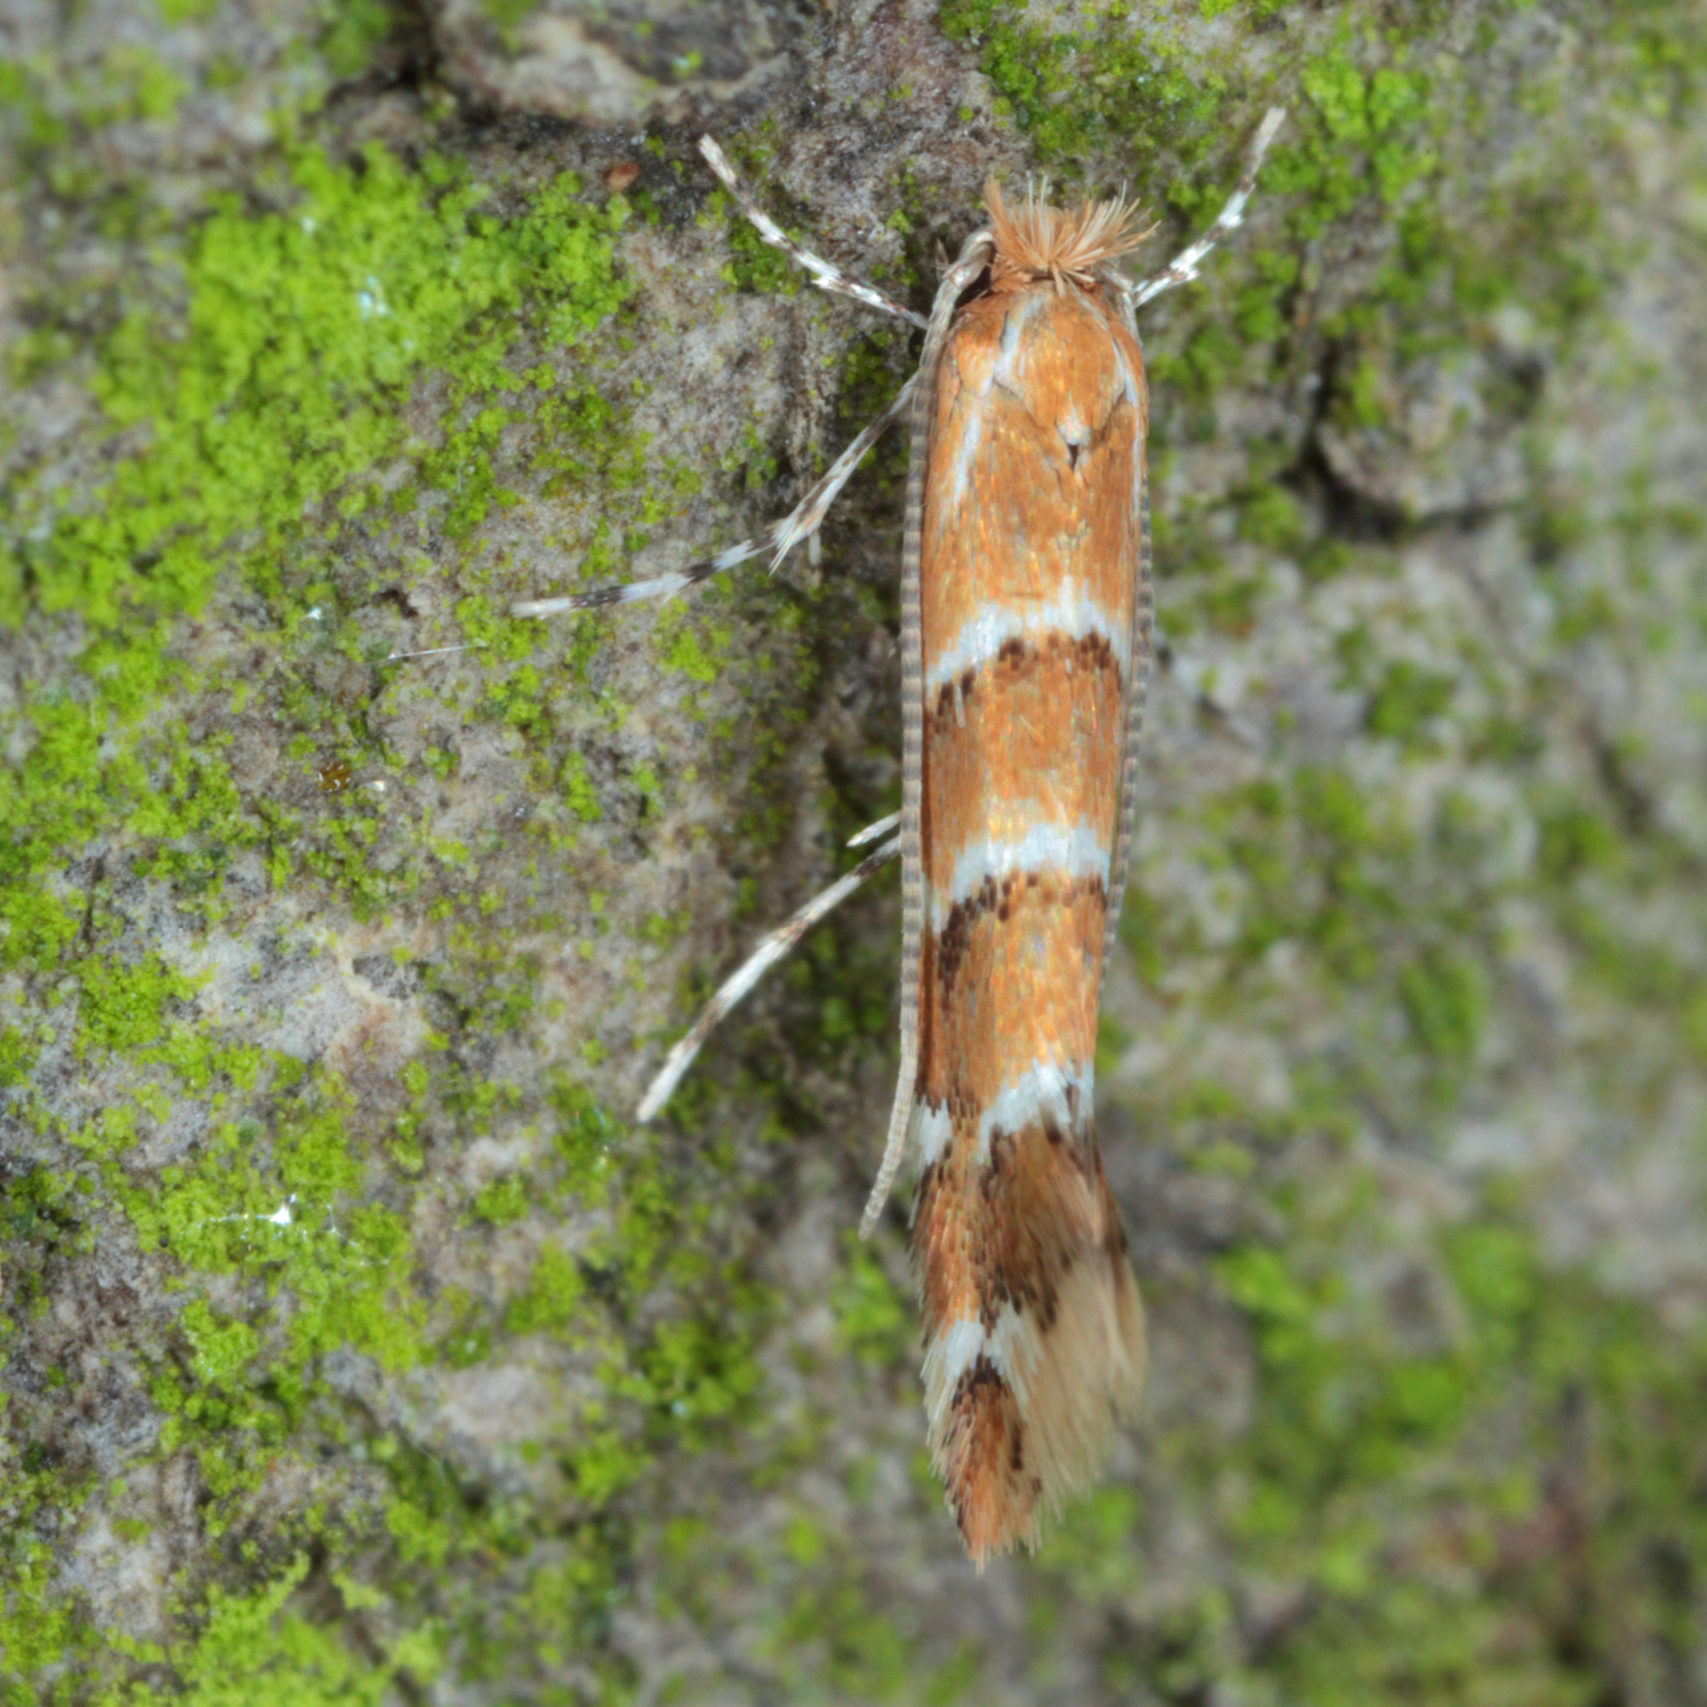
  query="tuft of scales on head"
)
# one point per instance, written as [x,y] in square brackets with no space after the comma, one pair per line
[1035,242]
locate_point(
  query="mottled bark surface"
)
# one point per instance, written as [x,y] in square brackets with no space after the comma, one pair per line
[355,1346]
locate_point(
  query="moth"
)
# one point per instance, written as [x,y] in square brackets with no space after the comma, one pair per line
[1026,643]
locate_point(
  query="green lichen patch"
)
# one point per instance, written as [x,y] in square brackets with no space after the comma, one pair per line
[292,1256]
[273,392]
[255,1648]
[1084,85]
[301,332]
[356,349]
[1438,1564]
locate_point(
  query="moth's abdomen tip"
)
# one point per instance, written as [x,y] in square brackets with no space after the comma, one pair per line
[1034,1332]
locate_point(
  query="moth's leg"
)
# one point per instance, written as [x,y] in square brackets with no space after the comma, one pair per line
[872,831]
[774,948]
[1183,267]
[776,541]
[824,275]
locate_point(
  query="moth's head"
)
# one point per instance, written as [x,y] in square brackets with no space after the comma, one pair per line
[1036,242]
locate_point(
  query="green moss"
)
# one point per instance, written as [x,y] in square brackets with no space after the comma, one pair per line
[1349,1414]
[1445,1000]
[1080,92]
[37,1626]
[1576,839]
[301,329]
[18,1054]
[278,390]
[253,1651]
[138,85]
[127,1007]
[283,1206]
[874,1319]
[579,795]
[753,264]
[503,1201]
[1270,517]
[221,1351]
[689,644]
[1368,136]
[1407,700]
[553,1298]
[354,32]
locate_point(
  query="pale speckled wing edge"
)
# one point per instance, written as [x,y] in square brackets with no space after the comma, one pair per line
[974,256]
[1137,685]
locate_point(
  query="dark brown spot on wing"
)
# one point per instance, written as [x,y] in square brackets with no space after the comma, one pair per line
[1000,900]
[1019,661]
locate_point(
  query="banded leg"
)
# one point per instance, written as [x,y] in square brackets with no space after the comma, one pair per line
[824,275]
[1182,269]
[872,831]
[772,949]
[802,522]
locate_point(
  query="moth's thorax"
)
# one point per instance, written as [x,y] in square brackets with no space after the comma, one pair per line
[1039,414]
[1061,354]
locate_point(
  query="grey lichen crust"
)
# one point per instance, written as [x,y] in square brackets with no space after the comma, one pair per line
[355,1347]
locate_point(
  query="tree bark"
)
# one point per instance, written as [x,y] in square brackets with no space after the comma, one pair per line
[357,1345]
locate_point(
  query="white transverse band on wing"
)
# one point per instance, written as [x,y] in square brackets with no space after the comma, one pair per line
[933,1129]
[1072,612]
[1044,1094]
[1074,851]
[959,1344]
